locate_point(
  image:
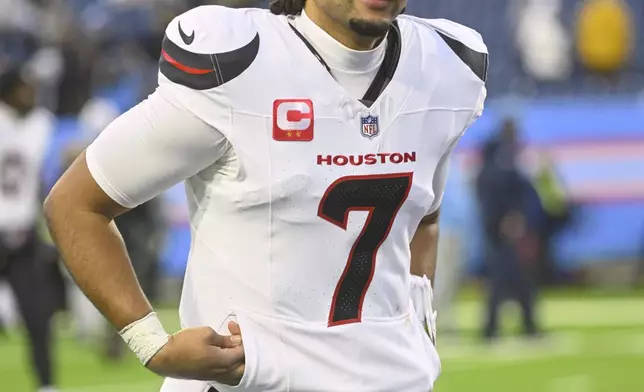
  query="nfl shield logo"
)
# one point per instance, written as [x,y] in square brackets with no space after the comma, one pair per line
[370,127]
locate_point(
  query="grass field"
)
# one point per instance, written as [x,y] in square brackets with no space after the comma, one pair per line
[594,344]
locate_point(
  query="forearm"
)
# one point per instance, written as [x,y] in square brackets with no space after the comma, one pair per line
[95,255]
[424,249]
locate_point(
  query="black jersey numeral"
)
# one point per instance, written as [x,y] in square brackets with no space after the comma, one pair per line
[380,195]
[12,172]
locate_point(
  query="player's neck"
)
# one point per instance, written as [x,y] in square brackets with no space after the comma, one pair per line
[342,34]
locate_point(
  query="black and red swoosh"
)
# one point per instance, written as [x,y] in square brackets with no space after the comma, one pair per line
[203,71]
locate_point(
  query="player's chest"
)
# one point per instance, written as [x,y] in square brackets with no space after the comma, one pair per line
[352,138]
[307,121]
[300,148]
[304,131]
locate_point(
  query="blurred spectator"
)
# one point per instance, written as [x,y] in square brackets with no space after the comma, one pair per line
[19,20]
[542,41]
[25,132]
[503,194]
[74,84]
[605,35]
[557,212]
[640,267]
[20,15]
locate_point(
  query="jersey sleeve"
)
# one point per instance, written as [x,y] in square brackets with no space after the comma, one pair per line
[440,178]
[442,170]
[468,45]
[478,111]
[208,47]
[180,129]
[153,146]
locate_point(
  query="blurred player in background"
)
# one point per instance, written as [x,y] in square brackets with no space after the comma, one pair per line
[314,142]
[556,215]
[24,136]
[504,195]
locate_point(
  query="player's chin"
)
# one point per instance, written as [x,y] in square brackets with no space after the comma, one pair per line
[373,17]
[370,27]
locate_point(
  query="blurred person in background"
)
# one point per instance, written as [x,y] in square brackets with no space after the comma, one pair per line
[19,21]
[542,40]
[503,193]
[25,131]
[555,214]
[639,278]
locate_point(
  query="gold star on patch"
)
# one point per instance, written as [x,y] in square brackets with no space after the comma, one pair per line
[289,134]
[298,134]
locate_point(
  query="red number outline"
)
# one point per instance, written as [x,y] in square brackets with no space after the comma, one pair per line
[343,225]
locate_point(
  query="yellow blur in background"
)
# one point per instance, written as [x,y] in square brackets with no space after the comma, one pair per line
[605,35]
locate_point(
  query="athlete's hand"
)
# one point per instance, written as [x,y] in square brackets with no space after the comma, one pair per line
[202,354]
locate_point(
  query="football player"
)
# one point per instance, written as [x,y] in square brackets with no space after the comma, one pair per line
[25,132]
[314,142]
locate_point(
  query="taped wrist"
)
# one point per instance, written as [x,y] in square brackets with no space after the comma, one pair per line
[145,337]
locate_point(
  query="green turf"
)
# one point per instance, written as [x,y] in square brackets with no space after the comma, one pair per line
[593,345]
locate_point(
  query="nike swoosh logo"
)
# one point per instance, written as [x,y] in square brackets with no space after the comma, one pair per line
[187,39]
[197,70]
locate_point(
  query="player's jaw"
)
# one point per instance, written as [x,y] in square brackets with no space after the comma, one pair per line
[372,18]
[358,24]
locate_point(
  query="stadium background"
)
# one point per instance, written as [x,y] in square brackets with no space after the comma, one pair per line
[590,124]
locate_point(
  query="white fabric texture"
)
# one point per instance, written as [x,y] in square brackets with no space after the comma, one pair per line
[166,143]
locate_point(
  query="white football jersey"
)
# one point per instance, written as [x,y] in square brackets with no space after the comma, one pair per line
[303,201]
[23,144]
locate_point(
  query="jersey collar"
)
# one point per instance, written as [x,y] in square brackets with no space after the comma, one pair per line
[387,68]
[338,56]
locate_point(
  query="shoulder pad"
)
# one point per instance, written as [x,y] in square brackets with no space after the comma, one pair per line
[209,46]
[467,43]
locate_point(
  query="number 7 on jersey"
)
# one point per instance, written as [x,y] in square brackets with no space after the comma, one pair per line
[381,196]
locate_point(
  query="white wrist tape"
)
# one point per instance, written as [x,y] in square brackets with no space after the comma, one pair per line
[422,296]
[145,337]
